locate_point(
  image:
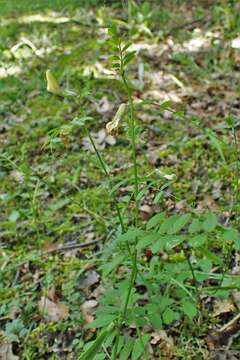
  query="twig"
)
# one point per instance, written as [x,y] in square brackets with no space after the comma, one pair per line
[73,246]
[230,326]
[80,23]
[16,278]
[226,333]
[188,25]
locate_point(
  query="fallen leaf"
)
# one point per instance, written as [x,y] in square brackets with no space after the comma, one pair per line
[161,336]
[103,106]
[110,140]
[101,139]
[236,298]
[223,336]
[88,279]
[52,294]
[165,342]
[145,212]
[98,292]
[225,355]
[223,306]
[49,246]
[6,352]
[52,311]
[207,202]
[87,309]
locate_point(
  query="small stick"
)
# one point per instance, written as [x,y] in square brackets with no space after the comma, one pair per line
[188,25]
[230,324]
[73,246]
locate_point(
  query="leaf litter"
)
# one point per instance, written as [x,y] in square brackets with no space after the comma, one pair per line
[177,82]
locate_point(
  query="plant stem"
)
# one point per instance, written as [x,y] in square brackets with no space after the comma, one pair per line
[133,257]
[237,171]
[187,257]
[123,315]
[106,172]
[133,135]
[131,283]
[142,344]
[136,189]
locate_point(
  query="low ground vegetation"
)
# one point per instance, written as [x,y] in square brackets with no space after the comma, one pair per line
[119,175]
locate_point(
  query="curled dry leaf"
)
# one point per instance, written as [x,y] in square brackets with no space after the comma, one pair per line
[165,342]
[113,125]
[87,309]
[52,311]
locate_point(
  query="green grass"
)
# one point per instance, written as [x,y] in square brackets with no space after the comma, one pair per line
[14,7]
[54,193]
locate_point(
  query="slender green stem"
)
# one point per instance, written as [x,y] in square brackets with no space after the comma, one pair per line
[129,12]
[187,257]
[131,284]
[132,127]
[227,263]
[97,153]
[125,307]
[133,135]
[133,257]
[142,344]
[106,172]
[237,189]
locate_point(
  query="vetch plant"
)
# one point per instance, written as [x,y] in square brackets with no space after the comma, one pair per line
[169,257]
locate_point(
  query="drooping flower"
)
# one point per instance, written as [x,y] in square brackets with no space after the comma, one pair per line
[113,125]
[52,84]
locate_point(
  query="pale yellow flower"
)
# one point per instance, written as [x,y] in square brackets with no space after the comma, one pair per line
[52,84]
[113,125]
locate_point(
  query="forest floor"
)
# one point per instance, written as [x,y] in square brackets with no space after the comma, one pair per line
[52,193]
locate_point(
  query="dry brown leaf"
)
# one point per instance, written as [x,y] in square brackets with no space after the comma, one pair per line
[87,310]
[6,352]
[207,202]
[88,279]
[165,342]
[98,292]
[223,306]
[52,294]
[161,336]
[145,212]
[101,139]
[103,106]
[110,140]
[236,298]
[52,311]
[49,246]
